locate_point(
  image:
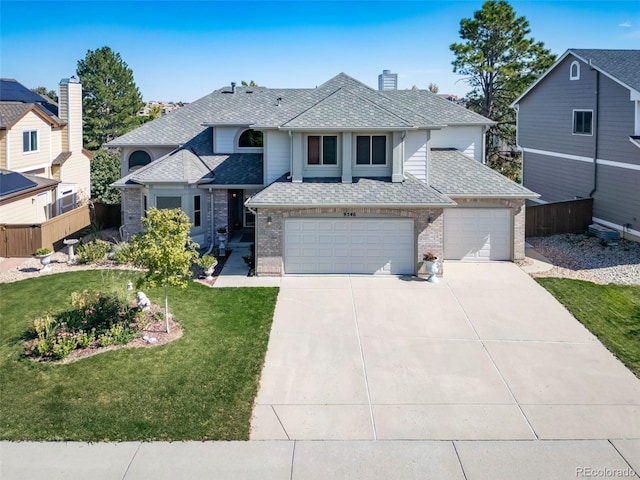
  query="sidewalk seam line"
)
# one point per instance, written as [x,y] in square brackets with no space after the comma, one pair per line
[623,457]
[364,367]
[293,456]
[126,472]
[280,422]
[495,366]
[464,474]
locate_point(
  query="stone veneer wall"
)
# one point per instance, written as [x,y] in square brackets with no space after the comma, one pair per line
[270,238]
[133,210]
[517,206]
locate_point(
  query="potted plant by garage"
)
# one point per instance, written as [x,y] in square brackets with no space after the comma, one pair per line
[44,254]
[432,266]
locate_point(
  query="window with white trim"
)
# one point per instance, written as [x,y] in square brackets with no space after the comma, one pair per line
[30,141]
[251,139]
[583,122]
[322,150]
[574,71]
[197,211]
[371,150]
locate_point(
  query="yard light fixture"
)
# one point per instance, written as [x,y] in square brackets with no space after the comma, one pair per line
[269,221]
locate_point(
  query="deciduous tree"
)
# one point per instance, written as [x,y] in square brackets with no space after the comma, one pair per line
[110,97]
[166,250]
[499,60]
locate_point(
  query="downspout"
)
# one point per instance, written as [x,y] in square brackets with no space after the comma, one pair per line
[211,242]
[595,132]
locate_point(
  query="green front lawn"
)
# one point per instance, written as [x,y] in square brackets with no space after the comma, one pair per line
[199,387]
[611,312]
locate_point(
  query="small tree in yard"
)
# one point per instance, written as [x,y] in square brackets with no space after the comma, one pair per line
[166,250]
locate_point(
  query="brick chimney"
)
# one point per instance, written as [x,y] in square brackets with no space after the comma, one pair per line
[70,110]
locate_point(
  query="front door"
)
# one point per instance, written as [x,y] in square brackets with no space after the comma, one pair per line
[236,209]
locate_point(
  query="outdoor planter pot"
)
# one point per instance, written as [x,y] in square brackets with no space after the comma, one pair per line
[45,260]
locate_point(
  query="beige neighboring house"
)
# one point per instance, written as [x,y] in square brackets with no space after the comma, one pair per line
[44,170]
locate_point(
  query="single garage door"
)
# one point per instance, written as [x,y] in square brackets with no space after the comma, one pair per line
[349,245]
[477,234]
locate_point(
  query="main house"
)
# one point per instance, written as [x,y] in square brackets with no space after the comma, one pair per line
[579,131]
[43,167]
[339,178]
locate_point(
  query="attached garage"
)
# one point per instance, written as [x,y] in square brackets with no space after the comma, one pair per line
[477,234]
[349,245]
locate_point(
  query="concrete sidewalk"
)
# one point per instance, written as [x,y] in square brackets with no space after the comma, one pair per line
[336,460]
[234,273]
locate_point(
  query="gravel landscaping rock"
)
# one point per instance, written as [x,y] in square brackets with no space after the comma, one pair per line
[589,258]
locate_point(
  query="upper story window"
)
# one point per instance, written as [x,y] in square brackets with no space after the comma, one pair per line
[138,159]
[574,71]
[197,211]
[251,139]
[322,150]
[30,141]
[583,122]
[371,150]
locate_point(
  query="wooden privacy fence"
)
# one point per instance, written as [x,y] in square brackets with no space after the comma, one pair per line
[24,240]
[571,216]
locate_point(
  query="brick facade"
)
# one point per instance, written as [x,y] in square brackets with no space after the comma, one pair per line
[133,210]
[270,236]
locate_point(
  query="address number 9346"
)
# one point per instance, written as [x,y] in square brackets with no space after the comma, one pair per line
[349,214]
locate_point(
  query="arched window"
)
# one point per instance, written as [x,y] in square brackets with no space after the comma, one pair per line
[138,159]
[574,73]
[250,139]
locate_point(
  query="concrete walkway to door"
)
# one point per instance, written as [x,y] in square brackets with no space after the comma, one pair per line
[486,354]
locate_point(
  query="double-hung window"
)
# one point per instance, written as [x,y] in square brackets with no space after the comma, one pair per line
[30,141]
[583,122]
[322,150]
[371,150]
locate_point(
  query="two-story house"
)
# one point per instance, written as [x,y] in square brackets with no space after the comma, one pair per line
[335,179]
[579,131]
[43,166]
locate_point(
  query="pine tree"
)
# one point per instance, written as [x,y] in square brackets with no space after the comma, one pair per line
[500,61]
[110,96]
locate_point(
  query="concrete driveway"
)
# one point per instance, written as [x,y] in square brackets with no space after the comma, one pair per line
[486,354]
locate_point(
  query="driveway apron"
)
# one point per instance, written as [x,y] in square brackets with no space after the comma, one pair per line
[486,354]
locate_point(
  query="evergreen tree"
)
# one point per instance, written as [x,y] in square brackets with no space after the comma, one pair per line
[500,61]
[110,97]
[105,169]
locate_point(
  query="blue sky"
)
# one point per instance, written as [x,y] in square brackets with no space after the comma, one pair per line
[184,50]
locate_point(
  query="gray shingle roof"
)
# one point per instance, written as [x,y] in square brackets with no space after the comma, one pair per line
[621,64]
[10,112]
[194,164]
[333,104]
[456,175]
[363,191]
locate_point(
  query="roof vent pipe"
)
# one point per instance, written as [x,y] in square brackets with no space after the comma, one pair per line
[233,87]
[278,100]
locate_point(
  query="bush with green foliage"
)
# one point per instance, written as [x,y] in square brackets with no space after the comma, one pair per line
[122,253]
[93,252]
[105,170]
[95,318]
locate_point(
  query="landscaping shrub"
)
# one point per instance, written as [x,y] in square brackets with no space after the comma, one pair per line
[93,252]
[122,253]
[102,318]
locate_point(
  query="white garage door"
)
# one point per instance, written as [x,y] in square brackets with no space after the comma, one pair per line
[477,234]
[347,245]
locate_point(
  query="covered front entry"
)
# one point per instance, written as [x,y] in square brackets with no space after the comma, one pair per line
[349,245]
[477,234]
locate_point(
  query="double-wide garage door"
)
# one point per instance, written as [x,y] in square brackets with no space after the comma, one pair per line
[349,245]
[477,234]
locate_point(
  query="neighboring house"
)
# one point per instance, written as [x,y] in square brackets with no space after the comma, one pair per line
[340,178]
[42,163]
[579,131]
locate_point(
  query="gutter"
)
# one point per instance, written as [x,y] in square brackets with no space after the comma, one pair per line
[394,206]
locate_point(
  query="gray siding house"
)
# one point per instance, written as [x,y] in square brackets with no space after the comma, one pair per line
[340,178]
[579,131]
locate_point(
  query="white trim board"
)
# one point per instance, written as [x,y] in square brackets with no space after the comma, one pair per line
[600,161]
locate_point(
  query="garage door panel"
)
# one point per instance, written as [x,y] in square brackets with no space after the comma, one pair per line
[370,246]
[477,234]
